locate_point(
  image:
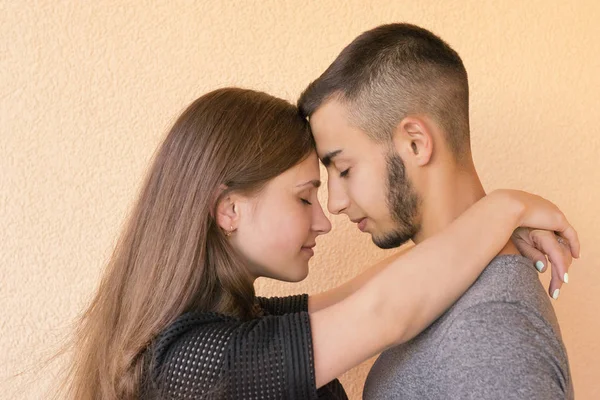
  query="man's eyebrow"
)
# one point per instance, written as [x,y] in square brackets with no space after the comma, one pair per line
[326,160]
[315,182]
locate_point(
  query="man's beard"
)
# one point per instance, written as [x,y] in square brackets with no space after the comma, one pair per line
[403,203]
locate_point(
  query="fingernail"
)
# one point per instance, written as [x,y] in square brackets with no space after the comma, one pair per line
[566,278]
[539,265]
[555,294]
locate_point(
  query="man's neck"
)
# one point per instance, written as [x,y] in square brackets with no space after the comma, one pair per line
[449,194]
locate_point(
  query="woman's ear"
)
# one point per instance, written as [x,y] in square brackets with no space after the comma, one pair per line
[227,213]
[413,140]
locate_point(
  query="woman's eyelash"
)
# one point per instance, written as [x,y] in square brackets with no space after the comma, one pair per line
[344,173]
[306,202]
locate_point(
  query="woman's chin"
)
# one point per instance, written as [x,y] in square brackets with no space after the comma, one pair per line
[296,276]
[297,273]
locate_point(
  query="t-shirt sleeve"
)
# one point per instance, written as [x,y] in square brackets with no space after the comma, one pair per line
[332,391]
[501,350]
[266,358]
[284,305]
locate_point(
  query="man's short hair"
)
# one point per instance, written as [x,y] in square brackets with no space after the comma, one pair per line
[391,72]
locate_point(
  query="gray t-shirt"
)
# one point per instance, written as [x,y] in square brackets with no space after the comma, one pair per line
[501,340]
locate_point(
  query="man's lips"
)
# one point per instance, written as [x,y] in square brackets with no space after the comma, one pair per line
[361,223]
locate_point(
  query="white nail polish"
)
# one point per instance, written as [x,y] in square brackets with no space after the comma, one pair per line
[539,266]
[566,278]
[555,294]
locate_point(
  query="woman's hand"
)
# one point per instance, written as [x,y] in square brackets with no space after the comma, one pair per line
[545,234]
[540,246]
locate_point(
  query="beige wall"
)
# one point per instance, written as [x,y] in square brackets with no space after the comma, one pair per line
[87,89]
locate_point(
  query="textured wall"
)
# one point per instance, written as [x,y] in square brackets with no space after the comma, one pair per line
[87,89]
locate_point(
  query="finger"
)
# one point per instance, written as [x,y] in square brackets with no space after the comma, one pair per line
[540,262]
[521,238]
[560,261]
[567,257]
[555,282]
[555,285]
[558,255]
[570,235]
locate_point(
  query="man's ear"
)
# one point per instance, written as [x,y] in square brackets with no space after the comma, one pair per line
[413,140]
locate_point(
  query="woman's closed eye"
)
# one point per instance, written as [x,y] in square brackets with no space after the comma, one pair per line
[344,173]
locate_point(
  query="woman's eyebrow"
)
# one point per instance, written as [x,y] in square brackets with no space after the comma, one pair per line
[315,182]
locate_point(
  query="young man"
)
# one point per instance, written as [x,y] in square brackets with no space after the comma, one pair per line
[391,123]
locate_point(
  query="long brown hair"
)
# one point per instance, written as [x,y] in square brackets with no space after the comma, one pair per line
[172,257]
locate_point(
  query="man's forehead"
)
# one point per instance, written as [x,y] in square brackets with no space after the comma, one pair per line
[331,130]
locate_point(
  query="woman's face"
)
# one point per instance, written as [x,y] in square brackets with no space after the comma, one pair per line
[277,228]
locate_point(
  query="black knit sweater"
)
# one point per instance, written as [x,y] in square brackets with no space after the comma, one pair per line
[212,356]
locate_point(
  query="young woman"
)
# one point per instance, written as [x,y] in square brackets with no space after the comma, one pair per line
[232,196]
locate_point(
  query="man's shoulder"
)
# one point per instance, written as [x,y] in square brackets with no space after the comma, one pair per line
[501,345]
[501,327]
[506,312]
[508,279]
